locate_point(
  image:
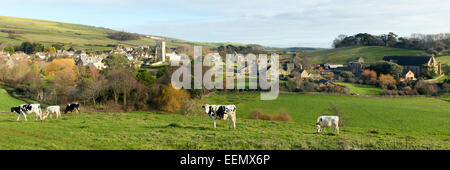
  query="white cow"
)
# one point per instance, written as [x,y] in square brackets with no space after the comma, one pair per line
[327,121]
[221,112]
[53,109]
[36,108]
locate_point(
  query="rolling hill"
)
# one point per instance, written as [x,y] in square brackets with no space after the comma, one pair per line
[80,36]
[346,54]
[6,101]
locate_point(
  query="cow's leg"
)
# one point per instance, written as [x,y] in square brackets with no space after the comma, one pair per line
[25,116]
[234,121]
[214,121]
[229,124]
[18,117]
[337,129]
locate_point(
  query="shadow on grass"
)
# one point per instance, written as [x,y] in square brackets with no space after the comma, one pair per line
[175,125]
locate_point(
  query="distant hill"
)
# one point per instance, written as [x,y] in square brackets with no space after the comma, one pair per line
[346,54]
[16,30]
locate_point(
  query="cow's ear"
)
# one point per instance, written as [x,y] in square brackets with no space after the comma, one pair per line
[203,106]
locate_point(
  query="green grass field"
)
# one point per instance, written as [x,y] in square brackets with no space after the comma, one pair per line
[444,59]
[346,54]
[373,123]
[361,89]
[6,101]
[412,114]
[81,36]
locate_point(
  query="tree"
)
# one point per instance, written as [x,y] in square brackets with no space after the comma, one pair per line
[124,36]
[387,81]
[116,61]
[33,84]
[145,77]
[385,67]
[9,49]
[370,76]
[428,72]
[52,49]
[61,65]
[26,47]
[88,89]
[37,47]
[121,81]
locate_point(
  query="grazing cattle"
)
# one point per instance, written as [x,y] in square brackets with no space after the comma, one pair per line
[327,121]
[53,110]
[35,108]
[21,110]
[72,107]
[221,112]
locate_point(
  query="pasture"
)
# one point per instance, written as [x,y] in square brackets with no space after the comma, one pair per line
[361,89]
[141,130]
[373,123]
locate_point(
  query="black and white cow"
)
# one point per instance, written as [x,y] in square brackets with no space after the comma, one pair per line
[22,110]
[221,112]
[35,108]
[72,107]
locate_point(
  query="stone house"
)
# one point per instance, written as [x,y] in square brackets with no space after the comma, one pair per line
[91,61]
[408,76]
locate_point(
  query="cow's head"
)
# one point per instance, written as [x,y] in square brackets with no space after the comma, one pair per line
[318,128]
[207,108]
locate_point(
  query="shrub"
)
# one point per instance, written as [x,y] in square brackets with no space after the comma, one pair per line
[386,81]
[426,88]
[282,115]
[370,76]
[171,99]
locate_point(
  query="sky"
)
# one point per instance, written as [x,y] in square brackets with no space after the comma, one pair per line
[276,23]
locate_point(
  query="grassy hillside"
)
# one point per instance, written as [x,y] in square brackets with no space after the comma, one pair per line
[346,54]
[6,101]
[80,36]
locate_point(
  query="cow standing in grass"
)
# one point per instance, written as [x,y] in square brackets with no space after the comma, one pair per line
[36,108]
[221,112]
[53,110]
[72,107]
[327,121]
[21,110]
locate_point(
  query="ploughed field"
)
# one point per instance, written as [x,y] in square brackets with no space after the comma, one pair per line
[372,123]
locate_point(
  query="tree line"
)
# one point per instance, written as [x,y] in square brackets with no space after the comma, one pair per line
[433,43]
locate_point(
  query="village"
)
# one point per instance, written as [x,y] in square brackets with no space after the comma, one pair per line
[145,57]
